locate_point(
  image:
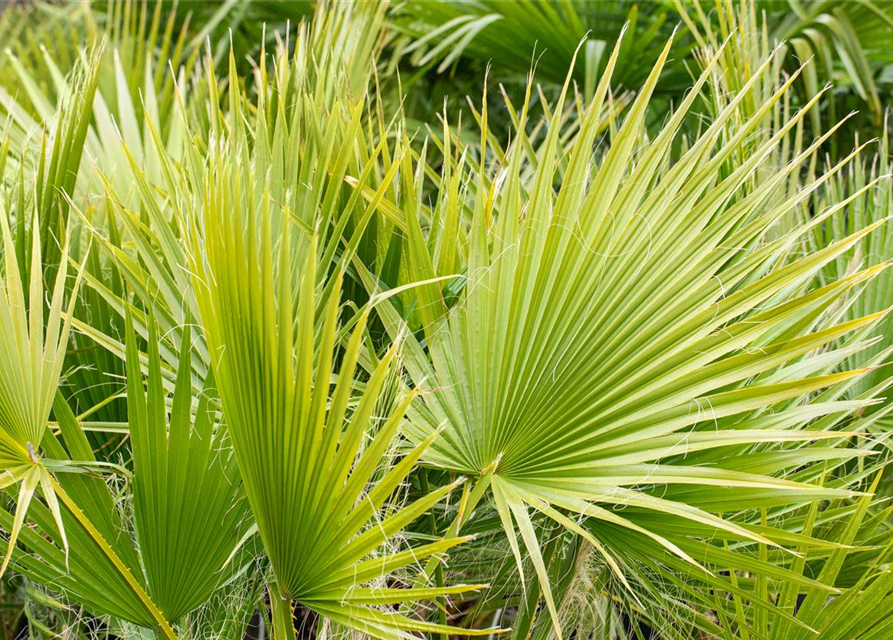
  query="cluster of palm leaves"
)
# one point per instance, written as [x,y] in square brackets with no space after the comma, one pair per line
[506,319]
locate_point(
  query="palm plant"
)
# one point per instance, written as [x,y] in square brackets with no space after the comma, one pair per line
[303,455]
[291,363]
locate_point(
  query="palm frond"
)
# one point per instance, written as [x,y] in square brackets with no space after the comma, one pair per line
[618,312]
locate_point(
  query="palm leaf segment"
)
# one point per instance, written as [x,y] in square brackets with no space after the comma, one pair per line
[610,329]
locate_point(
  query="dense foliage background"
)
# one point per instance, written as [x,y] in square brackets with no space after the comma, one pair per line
[521,319]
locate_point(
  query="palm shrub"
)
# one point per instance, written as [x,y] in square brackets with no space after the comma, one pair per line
[79,540]
[432,385]
[134,83]
[296,543]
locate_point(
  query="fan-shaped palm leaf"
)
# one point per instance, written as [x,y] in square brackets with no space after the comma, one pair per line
[607,327]
[307,453]
[183,559]
[302,456]
[32,353]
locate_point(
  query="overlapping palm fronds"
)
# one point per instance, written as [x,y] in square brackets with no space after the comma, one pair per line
[512,35]
[284,353]
[840,40]
[36,324]
[178,564]
[875,251]
[42,98]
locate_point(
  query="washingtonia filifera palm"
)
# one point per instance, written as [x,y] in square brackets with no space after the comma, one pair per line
[611,328]
[664,385]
